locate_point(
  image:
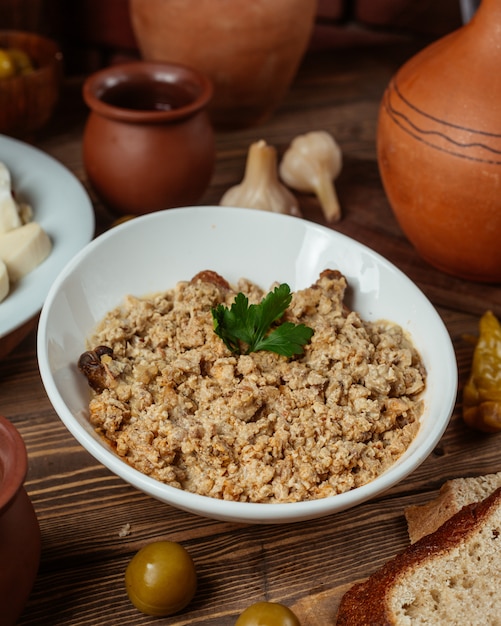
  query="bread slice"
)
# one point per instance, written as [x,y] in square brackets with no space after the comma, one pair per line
[449,577]
[423,519]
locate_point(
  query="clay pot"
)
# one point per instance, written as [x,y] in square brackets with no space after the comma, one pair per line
[439,148]
[250,50]
[148,143]
[19,531]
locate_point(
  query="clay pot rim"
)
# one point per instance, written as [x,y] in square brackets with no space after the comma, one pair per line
[13,462]
[175,73]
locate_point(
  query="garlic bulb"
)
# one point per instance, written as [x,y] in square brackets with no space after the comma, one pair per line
[261,188]
[311,164]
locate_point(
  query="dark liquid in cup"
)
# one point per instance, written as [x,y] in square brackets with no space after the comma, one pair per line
[147,97]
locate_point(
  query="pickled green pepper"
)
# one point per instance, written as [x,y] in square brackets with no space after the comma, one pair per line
[482,392]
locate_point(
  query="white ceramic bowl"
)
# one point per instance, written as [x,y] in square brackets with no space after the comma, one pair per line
[154,252]
[62,207]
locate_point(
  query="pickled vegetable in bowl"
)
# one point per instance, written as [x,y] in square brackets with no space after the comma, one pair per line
[14,62]
[30,82]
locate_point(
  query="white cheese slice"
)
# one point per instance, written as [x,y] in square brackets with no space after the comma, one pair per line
[4,281]
[9,211]
[23,249]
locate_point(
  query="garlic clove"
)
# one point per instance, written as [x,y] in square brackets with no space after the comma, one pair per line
[310,165]
[261,188]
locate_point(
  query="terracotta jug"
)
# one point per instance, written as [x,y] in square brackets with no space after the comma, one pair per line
[250,50]
[19,530]
[148,143]
[439,148]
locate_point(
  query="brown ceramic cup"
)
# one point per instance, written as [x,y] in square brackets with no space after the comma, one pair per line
[148,142]
[19,530]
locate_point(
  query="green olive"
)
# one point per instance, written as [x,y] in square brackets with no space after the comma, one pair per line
[161,578]
[20,60]
[7,68]
[267,614]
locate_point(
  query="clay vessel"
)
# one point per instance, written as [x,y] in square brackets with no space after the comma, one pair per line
[439,148]
[148,143]
[250,50]
[19,531]
[28,101]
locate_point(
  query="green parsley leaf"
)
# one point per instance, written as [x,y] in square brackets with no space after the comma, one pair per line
[252,325]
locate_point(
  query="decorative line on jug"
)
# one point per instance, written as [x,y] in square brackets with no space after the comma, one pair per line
[439,120]
[443,142]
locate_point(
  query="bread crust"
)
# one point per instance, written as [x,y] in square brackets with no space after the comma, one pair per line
[423,519]
[366,603]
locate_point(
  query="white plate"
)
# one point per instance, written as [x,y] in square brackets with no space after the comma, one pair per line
[153,252]
[61,206]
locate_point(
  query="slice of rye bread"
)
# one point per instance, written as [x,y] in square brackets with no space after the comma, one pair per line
[449,577]
[454,494]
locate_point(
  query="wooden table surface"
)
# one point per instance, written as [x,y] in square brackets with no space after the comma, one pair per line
[83,509]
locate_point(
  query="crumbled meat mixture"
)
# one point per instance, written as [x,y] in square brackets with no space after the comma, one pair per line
[177,405]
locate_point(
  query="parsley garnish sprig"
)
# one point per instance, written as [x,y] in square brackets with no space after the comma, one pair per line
[246,328]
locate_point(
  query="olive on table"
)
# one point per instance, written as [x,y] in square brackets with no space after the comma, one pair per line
[161,579]
[267,614]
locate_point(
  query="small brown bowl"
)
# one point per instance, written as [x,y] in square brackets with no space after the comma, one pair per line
[28,100]
[20,543]
[148,143]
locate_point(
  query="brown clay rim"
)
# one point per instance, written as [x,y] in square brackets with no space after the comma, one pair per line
[13,462]
[197,84]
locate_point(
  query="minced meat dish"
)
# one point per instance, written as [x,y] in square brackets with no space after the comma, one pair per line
[177,405]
